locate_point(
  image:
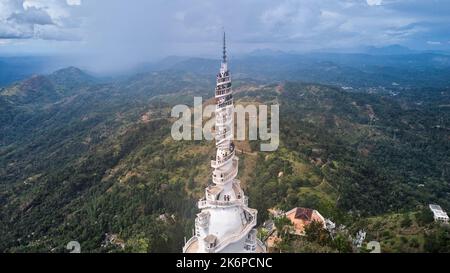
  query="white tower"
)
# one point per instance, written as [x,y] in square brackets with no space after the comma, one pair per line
[225,224]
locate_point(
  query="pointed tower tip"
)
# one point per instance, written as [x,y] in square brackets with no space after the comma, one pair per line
[224,48]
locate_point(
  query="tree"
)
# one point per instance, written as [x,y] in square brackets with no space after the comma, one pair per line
[438,241]
[342,244]
[191,183]
[425,216]
[139,244]
[316,233]
[284,227]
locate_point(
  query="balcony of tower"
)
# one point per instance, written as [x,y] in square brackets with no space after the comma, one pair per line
[223,140]
[250,242]
[212,192]
[223,75]
[226,171]
[206,203]
[224,104]
[224,99]
[224,155]
[225,152]
[210,242]
[202,220]
[221,162]
[239,192]
[220,92]
[223,84]
[191,246]
[223,178]
[222,143]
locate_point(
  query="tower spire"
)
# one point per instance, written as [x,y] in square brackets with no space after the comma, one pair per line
[224,48]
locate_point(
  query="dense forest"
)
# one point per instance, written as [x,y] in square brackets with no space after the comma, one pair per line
[93,161]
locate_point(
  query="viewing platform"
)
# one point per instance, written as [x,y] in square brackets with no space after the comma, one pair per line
[205,203]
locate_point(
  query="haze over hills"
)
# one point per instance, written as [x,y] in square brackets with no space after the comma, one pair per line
[409,69]
[367,67]
[83,159]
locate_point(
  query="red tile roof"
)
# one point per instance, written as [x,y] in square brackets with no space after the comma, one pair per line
[303,213]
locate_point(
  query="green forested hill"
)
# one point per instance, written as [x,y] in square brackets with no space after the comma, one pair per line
[57,156]
[89,159]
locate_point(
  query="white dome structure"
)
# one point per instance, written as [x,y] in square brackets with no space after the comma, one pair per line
[225,224]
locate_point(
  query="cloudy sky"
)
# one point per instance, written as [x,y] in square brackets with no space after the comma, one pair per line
[124,31]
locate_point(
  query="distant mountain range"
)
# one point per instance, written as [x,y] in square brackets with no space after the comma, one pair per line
[389,50]
[383,67]
[370,66]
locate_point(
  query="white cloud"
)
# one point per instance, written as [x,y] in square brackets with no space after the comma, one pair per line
[4,42]
[8,31]
[335,24]
[73,2]
[434,43]
[26,19]
[32,15]
[374,2]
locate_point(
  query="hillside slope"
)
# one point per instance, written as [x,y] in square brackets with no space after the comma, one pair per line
[99,163]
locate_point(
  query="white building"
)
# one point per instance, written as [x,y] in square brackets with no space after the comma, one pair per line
[225,224]
[439,214]
[359,239]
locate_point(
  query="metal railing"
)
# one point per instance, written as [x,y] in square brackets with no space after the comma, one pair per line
[188,244]
[225,79]
[216,203]
[225,104]
[223,92]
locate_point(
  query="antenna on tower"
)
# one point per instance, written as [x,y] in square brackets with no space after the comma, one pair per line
[224,48]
